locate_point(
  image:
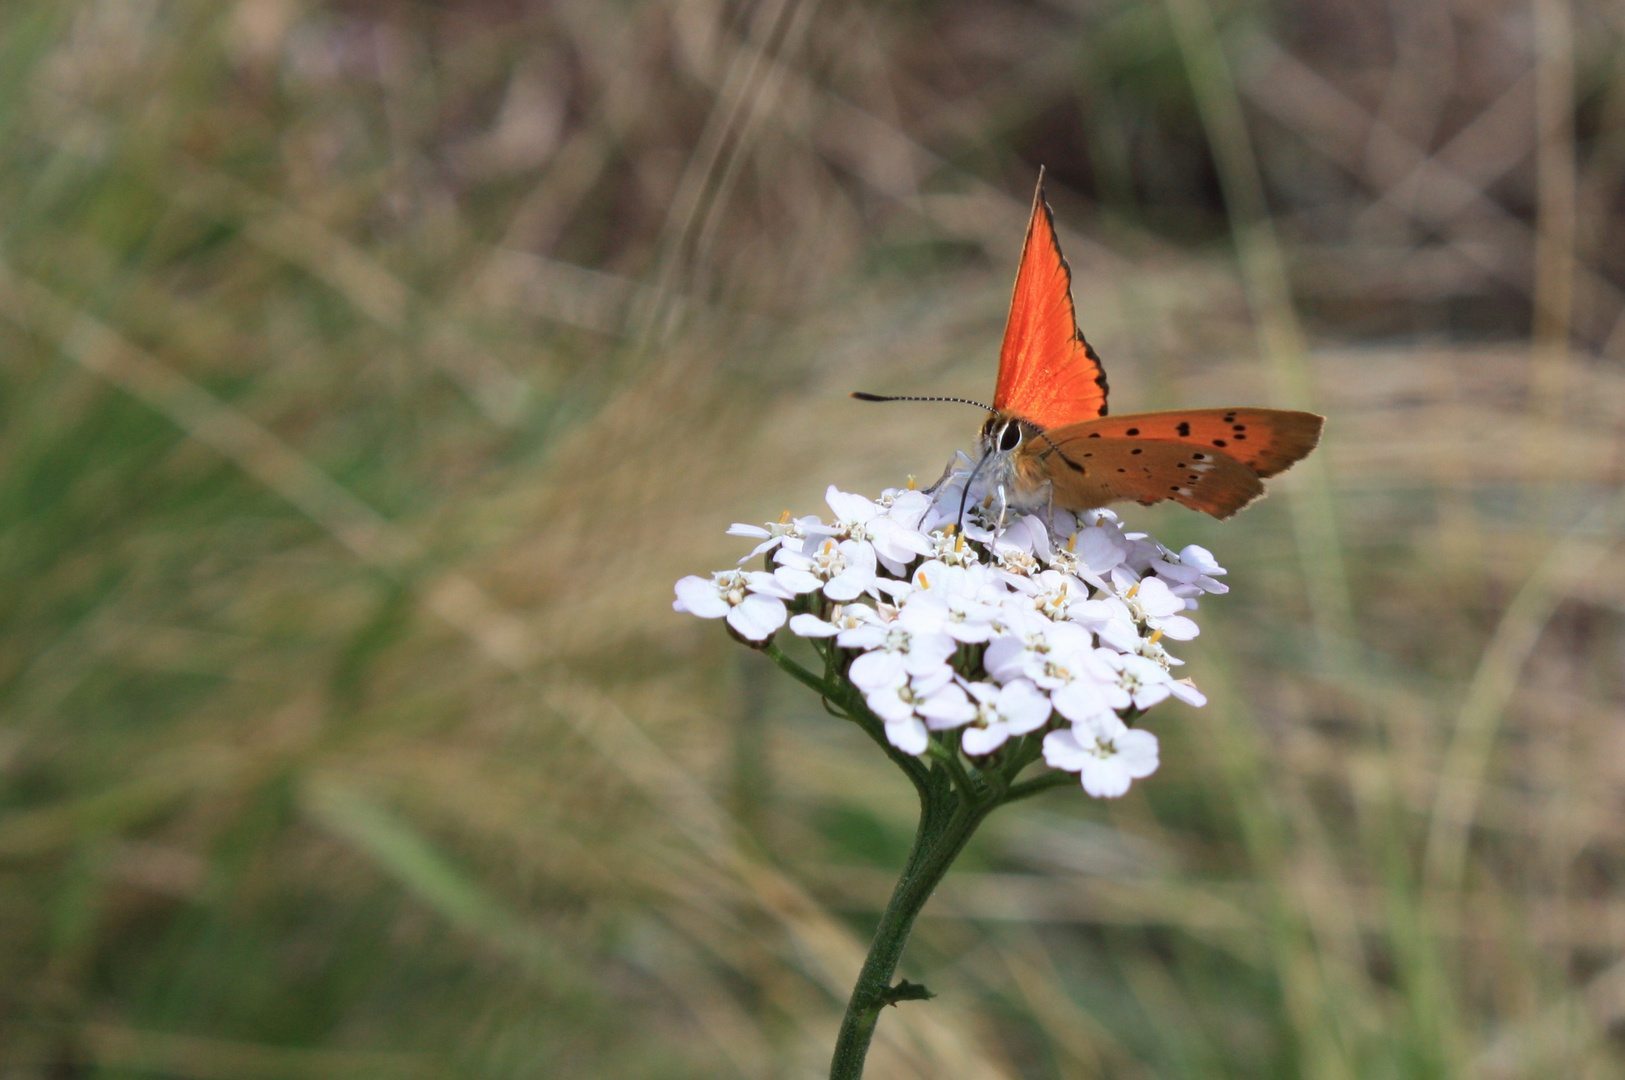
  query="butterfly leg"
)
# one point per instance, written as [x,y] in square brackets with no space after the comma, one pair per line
[1004,505]
[958,464]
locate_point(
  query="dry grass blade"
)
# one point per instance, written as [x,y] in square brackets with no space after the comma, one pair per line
[1473,736]
[466,607]
[1281,339]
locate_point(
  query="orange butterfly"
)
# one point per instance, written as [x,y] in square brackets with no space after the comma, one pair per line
[1048,441]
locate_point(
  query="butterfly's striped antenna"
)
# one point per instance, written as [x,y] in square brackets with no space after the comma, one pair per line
[861,396]
[1073,465]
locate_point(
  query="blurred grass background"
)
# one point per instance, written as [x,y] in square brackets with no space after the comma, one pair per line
[370,370]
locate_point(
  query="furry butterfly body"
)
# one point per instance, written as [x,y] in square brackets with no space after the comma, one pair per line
[1048,440]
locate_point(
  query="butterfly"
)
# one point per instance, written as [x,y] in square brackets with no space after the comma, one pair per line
[1048,442]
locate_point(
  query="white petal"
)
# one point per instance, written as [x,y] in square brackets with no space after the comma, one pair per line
[1098,549]
[797,581]
[930,680]
[757,531]
[1093,613]
[926,651]
[760,581]
[699,596]
[862,637]
[1104,778]
[1062,750]
[1137,750]
[757,616]
[1023,707]
[1201,558]
[985,693]
[896,540]
[977,741]
[1016,538]
[859,553]
[1040,535]
[1147,696]
[1178,627]
[899,591]
[1186,691]
[1177,573]
[1004,658]
[847,507]
[1067,638]
[1146,671]
[892,566]
[1107,727]
[1120,635]
[1080,701]
[907,735]
[851,583]
[909,508]
[947,708]
[805,625]
[970,632]
[924,612]
[1156,600]
[788,557]
[888,704]
[877,669]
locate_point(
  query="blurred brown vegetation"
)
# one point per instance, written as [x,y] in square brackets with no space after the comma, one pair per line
[370,371]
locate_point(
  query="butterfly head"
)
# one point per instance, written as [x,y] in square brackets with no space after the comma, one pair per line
[1002,433]
[1008,465]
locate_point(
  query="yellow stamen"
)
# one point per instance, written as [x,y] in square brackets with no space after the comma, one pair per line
[920,577]
[784,518]
[948,529]
[1130,594]
[959,543]
[911,481]
[1156,637]
[1072,544]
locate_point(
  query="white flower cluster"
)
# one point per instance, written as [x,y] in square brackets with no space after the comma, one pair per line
[1042,624]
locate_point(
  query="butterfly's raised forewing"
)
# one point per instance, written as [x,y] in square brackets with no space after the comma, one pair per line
[1267,441]
[1048,374]
[1085,473]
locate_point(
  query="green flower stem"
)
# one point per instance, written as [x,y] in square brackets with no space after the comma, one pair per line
[955,797]
[947,820]
[844,696]
[1037,784]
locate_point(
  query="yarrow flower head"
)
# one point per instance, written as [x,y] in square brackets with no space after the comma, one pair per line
[980,643]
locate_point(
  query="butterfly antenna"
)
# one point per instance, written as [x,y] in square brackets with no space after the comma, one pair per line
[1073,465]
[861,396]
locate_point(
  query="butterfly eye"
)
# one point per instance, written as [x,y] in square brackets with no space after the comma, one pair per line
[1010,437]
